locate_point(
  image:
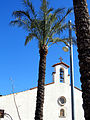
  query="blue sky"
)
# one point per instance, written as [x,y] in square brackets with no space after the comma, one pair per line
[21,62]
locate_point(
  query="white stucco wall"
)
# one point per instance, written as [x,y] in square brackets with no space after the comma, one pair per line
[26,101]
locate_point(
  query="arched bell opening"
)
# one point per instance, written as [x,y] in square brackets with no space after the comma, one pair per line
[61,75]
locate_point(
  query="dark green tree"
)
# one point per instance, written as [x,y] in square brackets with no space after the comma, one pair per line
[44,26]
[83,43]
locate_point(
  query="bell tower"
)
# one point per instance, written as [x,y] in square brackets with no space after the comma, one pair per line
[60,74]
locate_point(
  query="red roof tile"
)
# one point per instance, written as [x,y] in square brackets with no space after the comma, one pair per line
[60,64]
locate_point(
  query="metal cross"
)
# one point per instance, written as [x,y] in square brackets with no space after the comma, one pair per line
[60,59]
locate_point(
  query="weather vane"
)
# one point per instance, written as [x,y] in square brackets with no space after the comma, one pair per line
[60,59]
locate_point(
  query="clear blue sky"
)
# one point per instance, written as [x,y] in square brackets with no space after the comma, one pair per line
[20,62]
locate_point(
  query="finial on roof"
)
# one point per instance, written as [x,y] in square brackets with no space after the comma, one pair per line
[60,59]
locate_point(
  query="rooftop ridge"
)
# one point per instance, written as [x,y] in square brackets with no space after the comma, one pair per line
[60,64]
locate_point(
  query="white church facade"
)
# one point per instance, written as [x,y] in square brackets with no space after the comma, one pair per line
[57,105]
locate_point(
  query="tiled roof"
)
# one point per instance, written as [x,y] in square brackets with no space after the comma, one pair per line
[60,64]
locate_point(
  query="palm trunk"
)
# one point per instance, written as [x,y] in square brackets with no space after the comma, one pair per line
[41,82]
[83,43]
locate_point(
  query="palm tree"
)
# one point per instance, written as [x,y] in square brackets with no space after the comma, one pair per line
[83,43]
[44,27]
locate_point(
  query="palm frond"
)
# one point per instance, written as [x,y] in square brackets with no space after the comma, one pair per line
[21,14]
[59,11]
[57,24]
[56,40]
[18,23]
[49,10]
[30,37]
[61,28]
[30,7]
[54,15]
[67,13]
[21,23]
[52,20]
[23,19]
[43,7]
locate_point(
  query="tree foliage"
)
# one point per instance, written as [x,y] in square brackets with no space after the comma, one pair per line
[42,25]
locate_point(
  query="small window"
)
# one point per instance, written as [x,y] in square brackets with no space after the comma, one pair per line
[61,75]
[62,113]
[61,101]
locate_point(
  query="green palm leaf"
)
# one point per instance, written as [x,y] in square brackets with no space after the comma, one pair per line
[45,27]
[30,37]
[49,10]
[30,7]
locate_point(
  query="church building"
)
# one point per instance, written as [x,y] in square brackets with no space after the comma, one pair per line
[57,104]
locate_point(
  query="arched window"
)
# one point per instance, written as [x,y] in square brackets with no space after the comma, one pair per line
[62,113]
[61,75]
